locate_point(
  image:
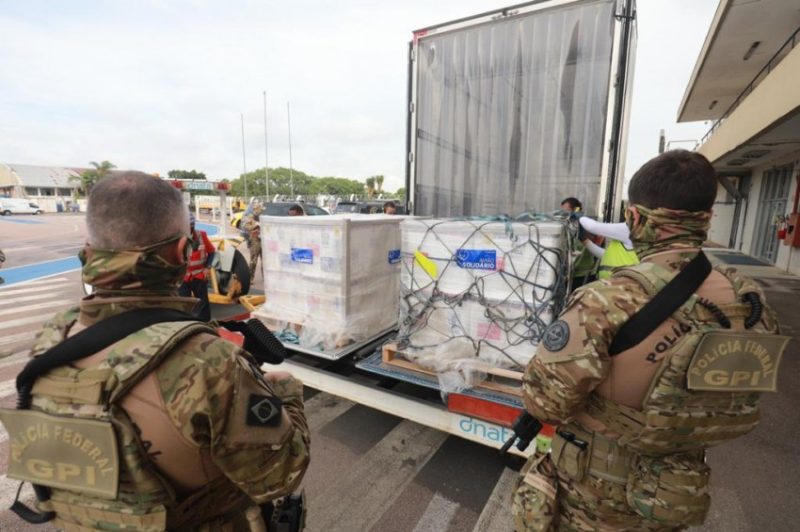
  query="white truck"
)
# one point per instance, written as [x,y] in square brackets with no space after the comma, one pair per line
[508,111]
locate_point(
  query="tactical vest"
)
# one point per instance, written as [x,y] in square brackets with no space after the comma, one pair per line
[78,441]
[616,256]
[707,388]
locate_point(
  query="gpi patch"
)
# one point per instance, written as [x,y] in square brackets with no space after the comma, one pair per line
[556,336]
[61,452]
[735,362]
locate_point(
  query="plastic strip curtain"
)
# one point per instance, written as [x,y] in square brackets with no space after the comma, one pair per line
[511,115]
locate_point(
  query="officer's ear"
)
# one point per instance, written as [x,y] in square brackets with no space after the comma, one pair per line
[635,215]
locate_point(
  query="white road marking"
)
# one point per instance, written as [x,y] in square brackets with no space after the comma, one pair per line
[21,321]
[358,500]
[49,280]
[26,290]
[496,515]
[54,305]
[14,338]
[25,299]
[8,387]
[438,514]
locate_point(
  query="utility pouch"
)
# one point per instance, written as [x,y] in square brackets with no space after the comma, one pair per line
[534,502]
[670,490]
[286,514]
[571,454]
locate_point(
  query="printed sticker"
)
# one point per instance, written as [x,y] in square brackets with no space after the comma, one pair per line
[394,256]
[477,259]
[303,255]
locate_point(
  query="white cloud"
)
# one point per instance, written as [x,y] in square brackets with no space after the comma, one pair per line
[161,85]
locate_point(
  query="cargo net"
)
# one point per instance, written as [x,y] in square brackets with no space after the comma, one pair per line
[477,294]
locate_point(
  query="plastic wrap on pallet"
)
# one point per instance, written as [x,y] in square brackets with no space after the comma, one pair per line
[479,293]
[330,280]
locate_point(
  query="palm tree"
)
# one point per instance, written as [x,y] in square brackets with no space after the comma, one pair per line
[379,183]
[370,186]
[89,178]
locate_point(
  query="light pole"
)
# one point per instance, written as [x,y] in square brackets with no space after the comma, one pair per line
[266,148]
[291,174]
[244,161]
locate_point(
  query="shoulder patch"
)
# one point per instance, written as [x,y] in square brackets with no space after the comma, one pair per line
[556,336]
[263,411]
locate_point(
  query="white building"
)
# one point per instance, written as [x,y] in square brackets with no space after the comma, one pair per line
[746,83]
[47,186]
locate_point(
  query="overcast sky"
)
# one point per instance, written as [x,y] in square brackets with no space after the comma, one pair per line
[158,85]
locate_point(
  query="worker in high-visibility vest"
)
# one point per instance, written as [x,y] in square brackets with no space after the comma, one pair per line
[195,282]
[619,248]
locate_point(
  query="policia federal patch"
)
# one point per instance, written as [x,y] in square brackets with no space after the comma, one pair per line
[556,336]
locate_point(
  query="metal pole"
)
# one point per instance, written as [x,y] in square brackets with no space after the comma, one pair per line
[291,174]
[244,161]
[266,149]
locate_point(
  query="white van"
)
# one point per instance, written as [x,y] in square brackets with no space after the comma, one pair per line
[18,206]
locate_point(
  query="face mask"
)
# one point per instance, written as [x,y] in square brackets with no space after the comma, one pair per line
[138,268]
[659,229]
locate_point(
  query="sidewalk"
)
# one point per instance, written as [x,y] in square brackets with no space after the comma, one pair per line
[755,480]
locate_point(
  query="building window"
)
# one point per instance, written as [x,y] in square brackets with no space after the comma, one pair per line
[65,192]
[47,191]
[31,191]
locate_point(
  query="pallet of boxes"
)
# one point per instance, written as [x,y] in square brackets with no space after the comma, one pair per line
[330,281]
[476,297]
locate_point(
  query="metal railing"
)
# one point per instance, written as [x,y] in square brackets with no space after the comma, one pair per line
[782,52]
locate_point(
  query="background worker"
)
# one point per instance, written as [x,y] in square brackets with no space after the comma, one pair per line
[252,228]
[584,262]
[637,406]
[571,205]
[204,438]
[195,282]
[390,207]
[618,250]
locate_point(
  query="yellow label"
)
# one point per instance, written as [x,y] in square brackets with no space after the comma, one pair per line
[736,362]
[62,452]
[426,264]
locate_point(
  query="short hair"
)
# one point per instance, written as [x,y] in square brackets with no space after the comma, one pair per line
[296,208]
[572,202]
[389,205]
[676,179]
[133,209]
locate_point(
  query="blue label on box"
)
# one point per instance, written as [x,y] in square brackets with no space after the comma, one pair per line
[477,259]
[394,256]
[304,255]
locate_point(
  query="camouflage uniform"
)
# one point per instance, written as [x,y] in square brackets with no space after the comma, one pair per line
[190,457]
[629,452]
[253,229]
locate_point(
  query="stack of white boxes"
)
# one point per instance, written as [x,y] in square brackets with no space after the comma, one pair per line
[476,291]
[334,279]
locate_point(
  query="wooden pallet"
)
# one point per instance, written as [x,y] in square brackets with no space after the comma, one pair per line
[498,379]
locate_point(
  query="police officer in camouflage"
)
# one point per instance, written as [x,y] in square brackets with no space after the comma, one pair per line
[171,427]
[633,425]
[253,229]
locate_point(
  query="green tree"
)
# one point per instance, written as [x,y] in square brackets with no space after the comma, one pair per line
[186,174]
[379,183]
[401,193]
[89,178]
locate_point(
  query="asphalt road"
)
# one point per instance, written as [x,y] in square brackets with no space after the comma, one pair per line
[373,471]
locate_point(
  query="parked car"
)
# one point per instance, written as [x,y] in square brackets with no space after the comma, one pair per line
[366,207]
[18,206]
